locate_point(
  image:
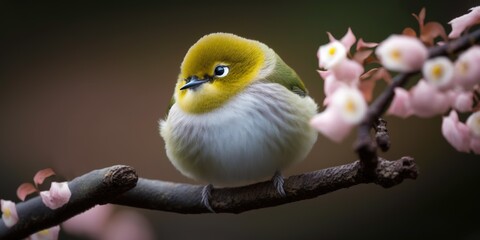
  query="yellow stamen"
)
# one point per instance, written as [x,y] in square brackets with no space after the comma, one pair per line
[437,71]
[332,51]
[350,106]
[396,55]
[7,212]
[463,67]
[43,232]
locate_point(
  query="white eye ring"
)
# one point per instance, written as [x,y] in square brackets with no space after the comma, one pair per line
[221,71]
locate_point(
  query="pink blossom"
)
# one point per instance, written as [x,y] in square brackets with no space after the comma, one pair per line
[346,109]
[127,225]
[330,124]
[9,212]
[427,101]
[439,72]
[400,105]
[90,223]
[462,101]
[463,22]
[58,195]
[47,234]
[473,123]
[402,53]
[362,44]
[456,132]
[347,40]
[467,68]
[330,85]
[348,71]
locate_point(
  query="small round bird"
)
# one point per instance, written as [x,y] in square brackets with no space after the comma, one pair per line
[239,114]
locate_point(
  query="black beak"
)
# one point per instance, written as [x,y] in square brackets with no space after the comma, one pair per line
[193,82]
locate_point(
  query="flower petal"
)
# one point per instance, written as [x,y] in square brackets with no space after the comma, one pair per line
[348,40]
[456,132]
[402,53]
[47,234]
[330,124]
[439,72]
[400,105]
[462,101]
[461,23]
[90,223]
[58,195]
[467,68]
[473,123]
[41,175]
[9,213]
[427,101]
[24,190]
[348,71]
[331,54]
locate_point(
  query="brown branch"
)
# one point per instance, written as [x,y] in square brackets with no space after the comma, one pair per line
[186,198]
[96,187]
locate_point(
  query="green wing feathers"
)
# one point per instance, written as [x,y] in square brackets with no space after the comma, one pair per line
[286,76]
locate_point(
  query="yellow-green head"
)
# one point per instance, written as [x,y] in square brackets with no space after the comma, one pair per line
[217,67]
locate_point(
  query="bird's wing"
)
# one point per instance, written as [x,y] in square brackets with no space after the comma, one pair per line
[287,77]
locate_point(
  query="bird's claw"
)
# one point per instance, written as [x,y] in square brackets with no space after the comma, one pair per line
[278,182]
[206,194]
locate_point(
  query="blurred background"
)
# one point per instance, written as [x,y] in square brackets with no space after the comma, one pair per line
[83,85]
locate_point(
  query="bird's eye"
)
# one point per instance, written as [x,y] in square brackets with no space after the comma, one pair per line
[221,71]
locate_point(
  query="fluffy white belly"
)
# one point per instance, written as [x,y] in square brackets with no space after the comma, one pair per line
[260,131]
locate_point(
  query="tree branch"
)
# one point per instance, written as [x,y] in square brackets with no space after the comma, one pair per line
[96,187]
[186,198]
[365,146]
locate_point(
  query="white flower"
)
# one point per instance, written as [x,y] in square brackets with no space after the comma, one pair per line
[9,213]
[438,71]
[331,54]
[58,195]
[351,105]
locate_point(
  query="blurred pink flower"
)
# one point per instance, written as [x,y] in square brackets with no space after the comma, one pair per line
[400,105]
[475,145]
[330,85]
[347,40]
[90,223]
[47,234]
[462,101]
[473,123]
[348,71]
[346,109]
[463,22]
[330,124]
[9,212]
[127,225]
[456,132]
[438,72]
[467,68]
[402,53]
[427,101]
[58,195]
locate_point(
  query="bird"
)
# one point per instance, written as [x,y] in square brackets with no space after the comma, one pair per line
[239,114]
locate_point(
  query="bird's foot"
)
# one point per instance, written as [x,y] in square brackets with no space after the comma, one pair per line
[206,194]
[278,182]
